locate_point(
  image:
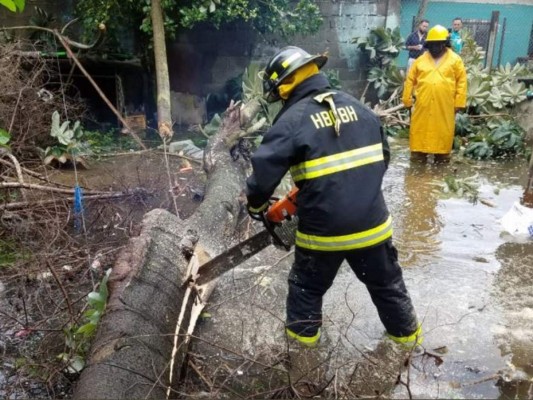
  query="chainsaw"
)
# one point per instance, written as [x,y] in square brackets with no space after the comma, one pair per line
[280,222]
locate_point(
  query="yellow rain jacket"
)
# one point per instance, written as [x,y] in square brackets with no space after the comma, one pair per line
[439,90]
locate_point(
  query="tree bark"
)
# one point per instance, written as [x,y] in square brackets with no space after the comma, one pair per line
[421,12]
[164,117]
[140,349]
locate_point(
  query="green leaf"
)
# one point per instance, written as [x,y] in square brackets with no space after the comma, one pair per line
[95,298]
[86,329]
[5,137]
[478,91]
[9,4]
[95,317]
[76,364]
[20,4]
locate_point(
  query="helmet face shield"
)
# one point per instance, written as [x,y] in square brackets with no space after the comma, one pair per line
[284,63]
[436,49]
[269,88]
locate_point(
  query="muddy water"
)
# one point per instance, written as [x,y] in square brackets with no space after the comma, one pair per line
[148,171]
[470,284]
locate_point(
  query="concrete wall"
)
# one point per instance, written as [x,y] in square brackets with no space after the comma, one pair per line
[203,59]
[343,21]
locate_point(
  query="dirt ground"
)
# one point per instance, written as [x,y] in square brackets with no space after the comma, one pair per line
[49,266]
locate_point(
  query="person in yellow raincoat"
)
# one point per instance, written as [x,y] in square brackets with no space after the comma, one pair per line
[438,80]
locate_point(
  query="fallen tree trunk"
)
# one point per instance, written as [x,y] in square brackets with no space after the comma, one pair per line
[140,348]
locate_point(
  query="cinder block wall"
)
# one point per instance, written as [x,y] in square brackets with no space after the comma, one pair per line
[203,59]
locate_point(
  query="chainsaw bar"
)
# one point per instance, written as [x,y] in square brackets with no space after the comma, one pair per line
[231,258]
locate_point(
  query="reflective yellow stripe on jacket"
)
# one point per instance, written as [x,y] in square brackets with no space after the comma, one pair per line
[346,242]
[337,162]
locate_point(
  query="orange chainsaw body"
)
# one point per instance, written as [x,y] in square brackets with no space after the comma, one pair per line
[283,209]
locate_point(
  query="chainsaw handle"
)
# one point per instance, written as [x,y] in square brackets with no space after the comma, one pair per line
[284,208]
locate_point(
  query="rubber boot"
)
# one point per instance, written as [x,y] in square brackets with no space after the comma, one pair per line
[307,367]
[411,341]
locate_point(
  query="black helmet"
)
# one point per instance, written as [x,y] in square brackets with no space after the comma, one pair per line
[284,63]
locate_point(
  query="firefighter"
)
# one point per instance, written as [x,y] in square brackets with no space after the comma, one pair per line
[439,79]
[337,155]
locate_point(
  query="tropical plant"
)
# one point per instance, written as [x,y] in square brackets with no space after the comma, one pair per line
[490,91]
[42,19]
[479,148]
[463,125]
[499,139]
[507,73]
[478,91]
[333,78]
[70,145]
[386,80]
[507,138]
[472,54]
[487,130]
[381,47]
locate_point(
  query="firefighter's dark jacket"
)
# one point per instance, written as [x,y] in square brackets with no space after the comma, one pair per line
[340,202]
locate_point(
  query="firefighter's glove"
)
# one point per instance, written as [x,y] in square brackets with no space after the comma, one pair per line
[257,213]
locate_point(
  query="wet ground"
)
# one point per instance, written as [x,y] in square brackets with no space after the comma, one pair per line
[26,360]
[470,284]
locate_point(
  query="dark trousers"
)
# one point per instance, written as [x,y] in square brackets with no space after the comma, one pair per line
[313,272]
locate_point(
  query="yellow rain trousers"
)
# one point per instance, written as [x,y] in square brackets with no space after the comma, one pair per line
[439,88]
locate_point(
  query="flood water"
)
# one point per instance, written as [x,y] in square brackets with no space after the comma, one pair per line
[470,284]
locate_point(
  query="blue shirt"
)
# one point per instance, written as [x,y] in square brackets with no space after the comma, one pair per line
[456,41]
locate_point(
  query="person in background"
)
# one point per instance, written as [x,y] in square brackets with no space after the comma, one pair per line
[439,79]
[456,39]
[415,42]
[337,153]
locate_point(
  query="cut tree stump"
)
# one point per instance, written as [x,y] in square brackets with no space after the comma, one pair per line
[140,349]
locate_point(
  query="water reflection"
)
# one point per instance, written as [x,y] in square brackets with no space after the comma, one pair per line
[420,220]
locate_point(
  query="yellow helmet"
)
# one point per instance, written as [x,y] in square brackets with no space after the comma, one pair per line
[437,34]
